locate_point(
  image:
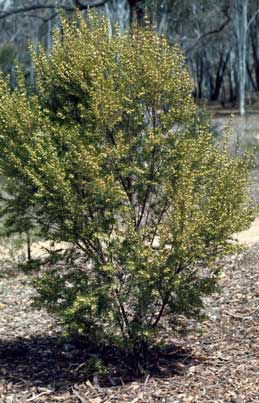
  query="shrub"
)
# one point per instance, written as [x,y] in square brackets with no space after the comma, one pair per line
[108,155]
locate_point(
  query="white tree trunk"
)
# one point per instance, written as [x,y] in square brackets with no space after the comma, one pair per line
[123,14]
[35,43]
[163,23]
[117,12]
[109,18]
[49,33]
[241,34]
[5,4]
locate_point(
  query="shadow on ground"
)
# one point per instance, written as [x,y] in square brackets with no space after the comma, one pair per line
[46,362]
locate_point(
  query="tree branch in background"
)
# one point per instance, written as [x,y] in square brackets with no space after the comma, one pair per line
[84,5]
[78,4]
[225,11]
[212,32]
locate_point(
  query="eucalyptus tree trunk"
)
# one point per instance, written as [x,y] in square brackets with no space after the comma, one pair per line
[35,44]
[162,24]
[232,78]
[5,4]
[109,18]
[240,20]
[49,34]
[117,12]
[123,14]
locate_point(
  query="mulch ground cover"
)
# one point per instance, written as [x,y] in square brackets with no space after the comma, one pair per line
[219,362]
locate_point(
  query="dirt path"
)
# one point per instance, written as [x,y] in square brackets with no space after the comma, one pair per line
[250,236]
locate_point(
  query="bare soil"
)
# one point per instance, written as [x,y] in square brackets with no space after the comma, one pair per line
[216,363]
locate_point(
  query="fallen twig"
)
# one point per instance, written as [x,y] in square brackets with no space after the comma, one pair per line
[82,399]
[31,399]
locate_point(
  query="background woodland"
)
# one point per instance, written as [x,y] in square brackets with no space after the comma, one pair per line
[219,39]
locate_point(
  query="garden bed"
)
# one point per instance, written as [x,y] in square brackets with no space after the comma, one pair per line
[218,363]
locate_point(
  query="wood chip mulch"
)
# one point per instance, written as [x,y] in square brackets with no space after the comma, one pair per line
[219,363]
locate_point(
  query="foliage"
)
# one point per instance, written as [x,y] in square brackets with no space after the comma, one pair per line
[7,58]
[108,156]
[30,265]
[95,365]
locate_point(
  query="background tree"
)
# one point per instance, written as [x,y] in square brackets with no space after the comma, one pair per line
[241,26]
[197,26]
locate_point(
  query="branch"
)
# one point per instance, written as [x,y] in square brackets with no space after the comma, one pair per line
[51,17]
[84,5]
[252,19]
[161,311]
[162,212]
[123,312]
[78,4]
[212,32]
[20,10]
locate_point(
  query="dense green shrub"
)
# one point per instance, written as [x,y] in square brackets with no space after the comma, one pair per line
[108,155]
